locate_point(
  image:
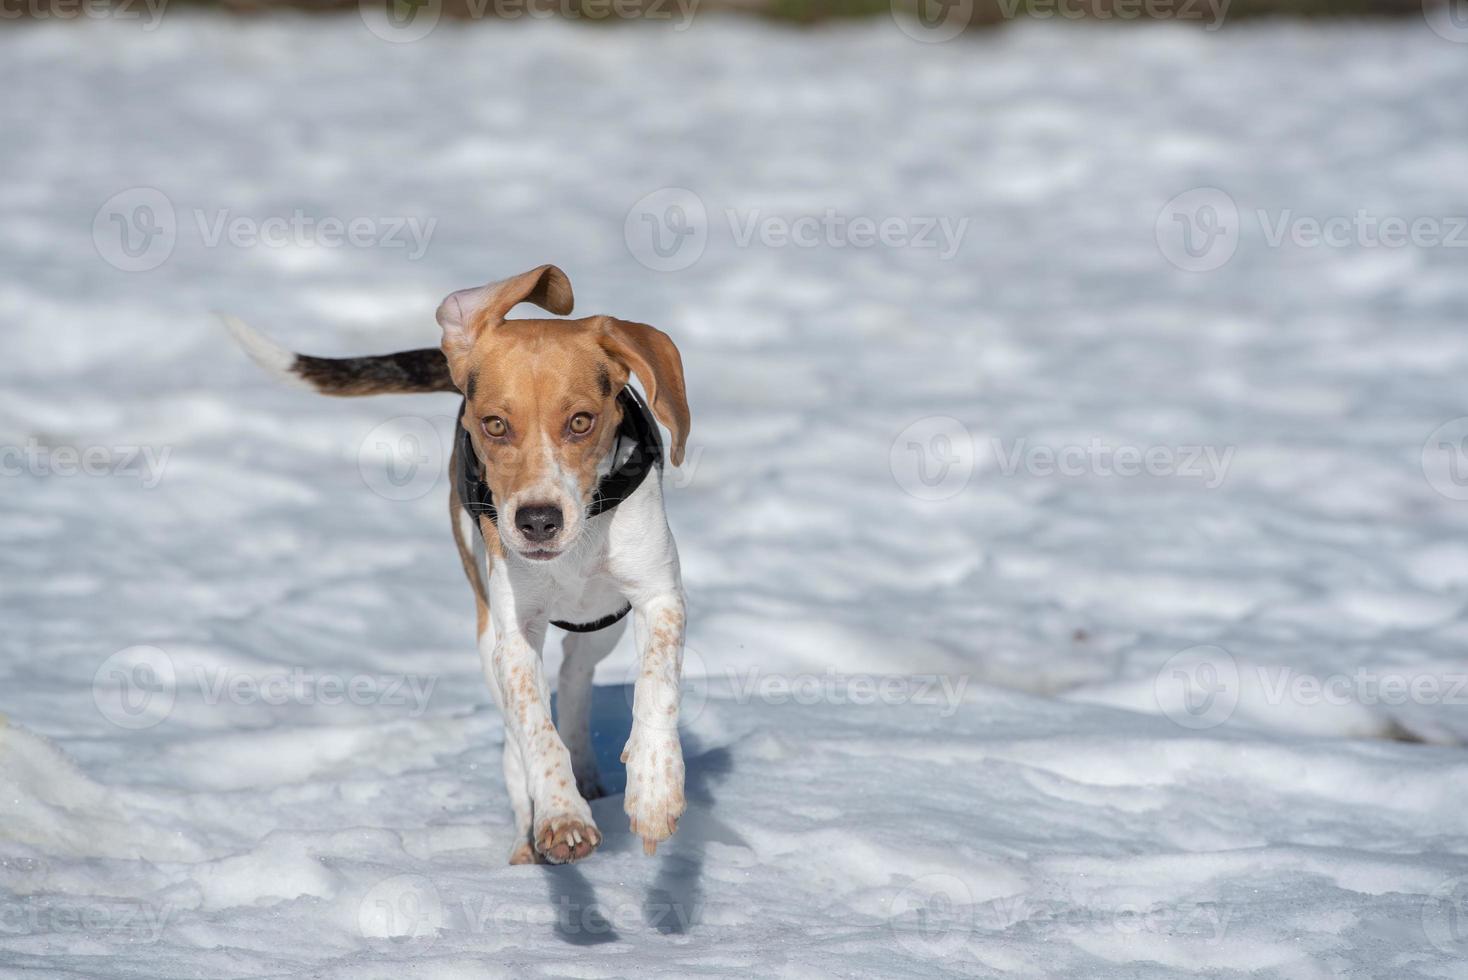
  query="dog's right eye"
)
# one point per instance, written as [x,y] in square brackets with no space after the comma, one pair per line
[495,427]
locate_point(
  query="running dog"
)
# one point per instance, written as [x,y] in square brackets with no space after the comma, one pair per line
[557,523]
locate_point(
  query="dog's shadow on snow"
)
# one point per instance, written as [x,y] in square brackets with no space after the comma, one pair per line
[674,900]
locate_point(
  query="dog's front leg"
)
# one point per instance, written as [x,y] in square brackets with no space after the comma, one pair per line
[562,828]
[653,755]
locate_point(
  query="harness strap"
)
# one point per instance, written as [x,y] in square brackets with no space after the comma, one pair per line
[599,624]
[646,453]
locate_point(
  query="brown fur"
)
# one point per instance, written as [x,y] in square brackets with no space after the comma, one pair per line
[536,374]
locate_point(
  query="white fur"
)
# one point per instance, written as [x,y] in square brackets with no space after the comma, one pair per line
[265,352]
[624,556]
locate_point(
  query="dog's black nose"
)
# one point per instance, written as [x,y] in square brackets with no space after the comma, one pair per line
[538,522]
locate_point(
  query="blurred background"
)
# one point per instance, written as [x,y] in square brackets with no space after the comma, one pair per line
[1072,521]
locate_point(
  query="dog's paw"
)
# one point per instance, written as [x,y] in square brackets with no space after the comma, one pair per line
[590,788]
[524,853]
[562,838]
[654,799]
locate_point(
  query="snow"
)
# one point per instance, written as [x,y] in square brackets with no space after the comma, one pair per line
[1030,717]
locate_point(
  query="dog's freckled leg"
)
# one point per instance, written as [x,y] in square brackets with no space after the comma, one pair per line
[516,785]
[562,828]
[573,701]
[654,757]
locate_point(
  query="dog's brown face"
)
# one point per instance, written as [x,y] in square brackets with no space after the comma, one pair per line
[541,401]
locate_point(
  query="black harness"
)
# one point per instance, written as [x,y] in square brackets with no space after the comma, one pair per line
[638,430]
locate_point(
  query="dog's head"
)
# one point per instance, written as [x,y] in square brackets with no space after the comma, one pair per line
[542,404]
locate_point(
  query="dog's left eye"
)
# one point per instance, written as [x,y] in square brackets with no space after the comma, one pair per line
[580,423]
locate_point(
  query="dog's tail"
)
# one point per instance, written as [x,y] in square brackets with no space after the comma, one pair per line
[406,372]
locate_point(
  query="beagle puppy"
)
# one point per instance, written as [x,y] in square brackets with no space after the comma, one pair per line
[557,511]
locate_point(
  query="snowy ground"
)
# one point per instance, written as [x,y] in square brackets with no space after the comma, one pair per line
[951,712]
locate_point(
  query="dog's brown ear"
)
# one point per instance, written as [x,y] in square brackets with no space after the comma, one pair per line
[466,314]
[651,355]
